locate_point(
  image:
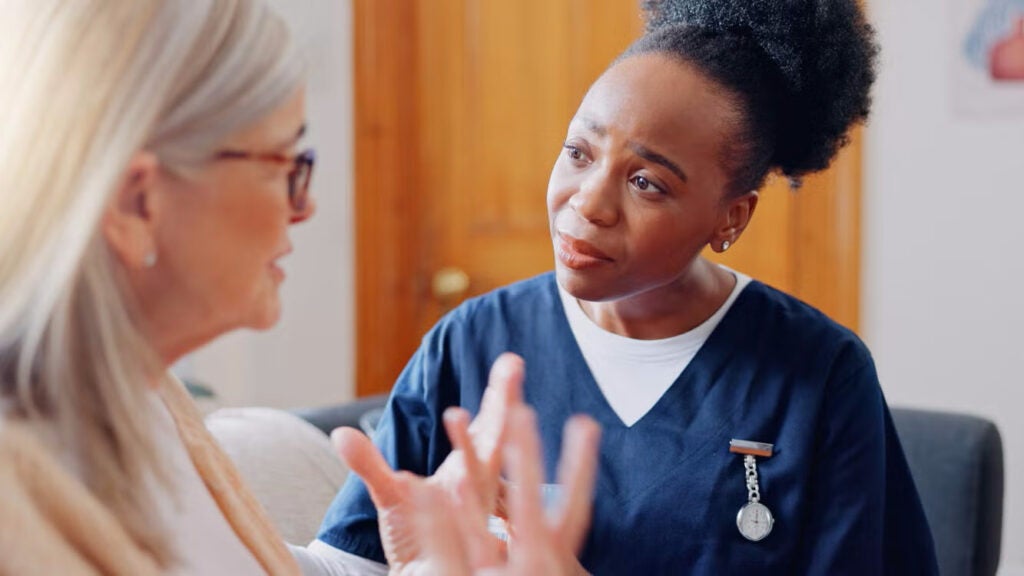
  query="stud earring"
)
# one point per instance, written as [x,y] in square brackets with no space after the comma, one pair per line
[149,260]
[725,245]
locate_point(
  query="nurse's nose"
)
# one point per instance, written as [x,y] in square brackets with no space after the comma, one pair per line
[597,200]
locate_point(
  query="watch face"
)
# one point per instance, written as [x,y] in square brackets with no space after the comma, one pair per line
[754,521]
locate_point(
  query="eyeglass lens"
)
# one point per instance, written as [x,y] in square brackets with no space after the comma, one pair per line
[298,183]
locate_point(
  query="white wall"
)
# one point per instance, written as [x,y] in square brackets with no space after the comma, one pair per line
[308,358]
[943,269]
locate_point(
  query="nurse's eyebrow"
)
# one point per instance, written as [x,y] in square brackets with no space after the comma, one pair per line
[652,156]
[638,149]
[593,126]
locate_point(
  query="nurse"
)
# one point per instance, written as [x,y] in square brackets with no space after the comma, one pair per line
[744,432]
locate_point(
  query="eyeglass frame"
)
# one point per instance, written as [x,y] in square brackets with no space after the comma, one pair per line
[302,163]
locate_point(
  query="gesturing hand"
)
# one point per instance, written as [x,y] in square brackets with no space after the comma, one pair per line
[448,531]
[477,454]
[548,542]
[439,524]
[471,470]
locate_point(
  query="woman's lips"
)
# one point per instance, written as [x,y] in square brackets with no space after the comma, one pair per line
[275,267]
[578,254]
[277,272]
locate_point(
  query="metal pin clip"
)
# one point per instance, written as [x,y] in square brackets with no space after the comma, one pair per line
[751,448]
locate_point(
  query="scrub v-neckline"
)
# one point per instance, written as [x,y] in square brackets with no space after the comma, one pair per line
[685,395]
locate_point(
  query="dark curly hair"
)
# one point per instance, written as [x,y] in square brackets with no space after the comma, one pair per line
[801,71]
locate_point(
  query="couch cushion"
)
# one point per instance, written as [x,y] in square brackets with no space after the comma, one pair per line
[289,464]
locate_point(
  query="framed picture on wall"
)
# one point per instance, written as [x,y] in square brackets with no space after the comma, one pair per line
[988,60]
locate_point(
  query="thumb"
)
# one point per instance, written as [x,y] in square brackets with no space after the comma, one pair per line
[359,454]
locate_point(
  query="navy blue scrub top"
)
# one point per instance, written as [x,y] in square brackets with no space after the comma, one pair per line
[775,370]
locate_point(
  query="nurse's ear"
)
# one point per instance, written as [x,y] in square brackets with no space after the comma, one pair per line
[735,216]
[129,220]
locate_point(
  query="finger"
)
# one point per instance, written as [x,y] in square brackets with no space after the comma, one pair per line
[472,519]
[501,500]
[511,369]
[483,478]
[456,424]
[577,469]
[525,470]
[359,454]
[504,389]
[472,516]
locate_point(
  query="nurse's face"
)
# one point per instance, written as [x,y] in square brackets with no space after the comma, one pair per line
[640,188]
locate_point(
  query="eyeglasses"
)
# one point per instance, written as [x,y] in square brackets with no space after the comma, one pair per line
[298,177]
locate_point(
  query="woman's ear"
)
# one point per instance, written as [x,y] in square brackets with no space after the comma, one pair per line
[737,215]
[129,221]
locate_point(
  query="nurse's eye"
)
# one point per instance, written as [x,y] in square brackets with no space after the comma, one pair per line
[644,185]
[575,153]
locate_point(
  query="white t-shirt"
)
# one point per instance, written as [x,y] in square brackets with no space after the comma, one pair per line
[634,374]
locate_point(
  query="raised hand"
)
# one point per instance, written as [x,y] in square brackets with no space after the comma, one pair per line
[548,543]
[471,471]
[442,532]
[485,434]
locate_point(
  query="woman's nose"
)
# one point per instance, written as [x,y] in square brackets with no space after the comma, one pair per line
[307,212]
[596,202]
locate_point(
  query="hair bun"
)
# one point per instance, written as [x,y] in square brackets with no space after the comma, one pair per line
[776,26]
[824,50]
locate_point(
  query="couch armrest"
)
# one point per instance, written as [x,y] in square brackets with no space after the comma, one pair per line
[957,463]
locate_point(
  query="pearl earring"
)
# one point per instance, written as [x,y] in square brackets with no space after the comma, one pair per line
[725,245]
[149,260]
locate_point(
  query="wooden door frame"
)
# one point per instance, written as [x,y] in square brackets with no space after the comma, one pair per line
[388,229]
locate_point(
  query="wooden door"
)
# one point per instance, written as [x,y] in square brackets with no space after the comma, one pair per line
[461,109]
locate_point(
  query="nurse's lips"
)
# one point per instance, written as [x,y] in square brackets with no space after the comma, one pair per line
[578,254]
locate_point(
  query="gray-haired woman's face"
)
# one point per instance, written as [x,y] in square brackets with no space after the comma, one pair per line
[223,232]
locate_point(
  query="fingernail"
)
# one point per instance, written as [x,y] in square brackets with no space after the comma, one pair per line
[453,415]
[336,435]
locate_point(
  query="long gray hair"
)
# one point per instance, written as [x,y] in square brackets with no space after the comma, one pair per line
[84,85]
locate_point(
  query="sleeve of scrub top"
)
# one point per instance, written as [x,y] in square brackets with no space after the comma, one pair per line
[863,510]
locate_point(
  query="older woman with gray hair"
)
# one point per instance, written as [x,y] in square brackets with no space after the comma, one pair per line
[149,172]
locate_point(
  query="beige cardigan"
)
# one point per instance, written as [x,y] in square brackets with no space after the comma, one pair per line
[51,524]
